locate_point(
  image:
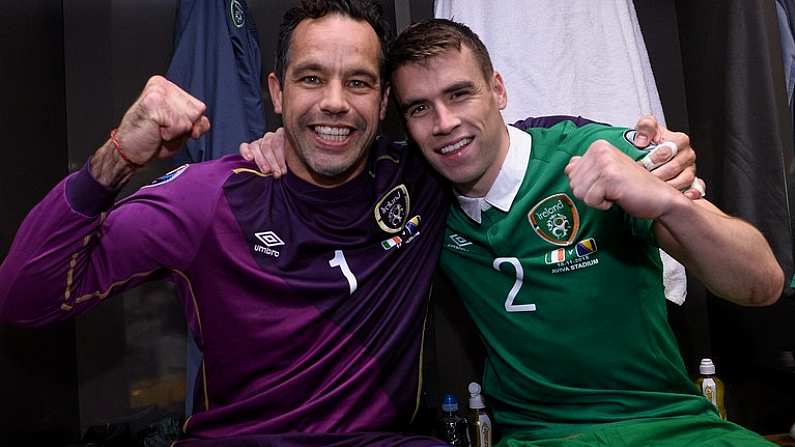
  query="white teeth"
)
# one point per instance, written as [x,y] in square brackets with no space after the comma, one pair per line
[456,146]
[332,133]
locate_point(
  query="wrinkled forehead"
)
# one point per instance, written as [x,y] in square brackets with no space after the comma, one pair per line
[334,39]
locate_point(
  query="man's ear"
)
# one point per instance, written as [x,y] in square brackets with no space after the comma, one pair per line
[498,88]
[275,88]
[384,102]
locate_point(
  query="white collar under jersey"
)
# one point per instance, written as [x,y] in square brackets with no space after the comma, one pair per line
[506,185]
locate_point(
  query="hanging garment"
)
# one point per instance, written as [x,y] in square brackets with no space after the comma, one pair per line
[217,60]
[562,57]
[784,12]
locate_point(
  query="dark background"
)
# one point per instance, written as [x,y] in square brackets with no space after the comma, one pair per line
[69,70]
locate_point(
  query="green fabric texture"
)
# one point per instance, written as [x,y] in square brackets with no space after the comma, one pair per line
[684,431]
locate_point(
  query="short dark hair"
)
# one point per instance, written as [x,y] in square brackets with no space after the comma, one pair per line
[435,37]
[369,11]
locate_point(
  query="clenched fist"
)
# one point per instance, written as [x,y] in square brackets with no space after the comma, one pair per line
[156,125]
[604,175]
[160,121]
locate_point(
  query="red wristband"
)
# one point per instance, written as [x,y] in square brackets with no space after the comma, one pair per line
[117,146]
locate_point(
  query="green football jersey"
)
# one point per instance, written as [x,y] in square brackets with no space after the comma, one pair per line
[569,302]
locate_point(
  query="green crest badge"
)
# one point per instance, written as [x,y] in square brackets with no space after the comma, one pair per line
[555,219]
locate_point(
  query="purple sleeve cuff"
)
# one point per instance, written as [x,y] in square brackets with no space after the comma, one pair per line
[549,121]
[86,195]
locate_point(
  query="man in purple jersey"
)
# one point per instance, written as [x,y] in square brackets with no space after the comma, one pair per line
[296,290]
[306,294]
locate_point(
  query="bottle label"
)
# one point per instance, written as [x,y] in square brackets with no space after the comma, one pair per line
[484,430]
[710,389]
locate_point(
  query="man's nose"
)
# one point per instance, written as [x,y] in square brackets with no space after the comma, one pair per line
[445,121]
[334,99]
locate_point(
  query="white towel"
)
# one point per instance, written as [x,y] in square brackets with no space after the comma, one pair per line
[572,57]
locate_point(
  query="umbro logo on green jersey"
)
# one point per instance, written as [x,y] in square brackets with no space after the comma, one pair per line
[555,219]
[459,241]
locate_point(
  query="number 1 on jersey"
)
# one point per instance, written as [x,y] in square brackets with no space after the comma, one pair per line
[339,261]
[509,306]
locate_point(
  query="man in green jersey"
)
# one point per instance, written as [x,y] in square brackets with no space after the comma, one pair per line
[553,246]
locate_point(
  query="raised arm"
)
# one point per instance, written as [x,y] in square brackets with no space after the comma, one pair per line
[728,255]
[72,250]
[155,126]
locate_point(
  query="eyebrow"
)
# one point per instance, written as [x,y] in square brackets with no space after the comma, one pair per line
[364,73]
[460,85]
[315,67]
[307,66]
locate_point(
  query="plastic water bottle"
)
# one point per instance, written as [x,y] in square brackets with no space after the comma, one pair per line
[711,386]
[479,421]
[452,427]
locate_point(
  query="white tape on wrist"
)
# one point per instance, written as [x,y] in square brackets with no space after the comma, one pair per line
[700,186]
[647,161]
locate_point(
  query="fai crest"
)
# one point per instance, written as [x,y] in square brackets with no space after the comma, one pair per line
[392,210]
[555,219]
[237,13]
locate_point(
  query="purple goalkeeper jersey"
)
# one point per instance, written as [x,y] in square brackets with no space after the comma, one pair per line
[307,303]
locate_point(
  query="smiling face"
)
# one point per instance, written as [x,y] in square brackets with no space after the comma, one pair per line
[332,98]
[452,111]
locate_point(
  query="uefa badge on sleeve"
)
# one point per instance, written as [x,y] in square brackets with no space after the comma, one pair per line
[555,219]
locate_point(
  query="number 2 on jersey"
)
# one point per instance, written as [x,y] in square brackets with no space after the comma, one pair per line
[339,261]
[509,305]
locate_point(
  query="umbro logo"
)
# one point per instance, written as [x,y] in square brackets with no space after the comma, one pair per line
[270,239]
[459,242]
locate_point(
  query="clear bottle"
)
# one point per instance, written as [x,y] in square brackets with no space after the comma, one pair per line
[479,421]
[452,427]
[711,386]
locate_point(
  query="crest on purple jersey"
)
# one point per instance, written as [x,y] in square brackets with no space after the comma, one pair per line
[393,209]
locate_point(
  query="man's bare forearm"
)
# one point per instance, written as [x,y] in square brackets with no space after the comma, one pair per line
[728,255]
[109,169]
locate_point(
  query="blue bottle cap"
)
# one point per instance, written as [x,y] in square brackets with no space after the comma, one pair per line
[449,402]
